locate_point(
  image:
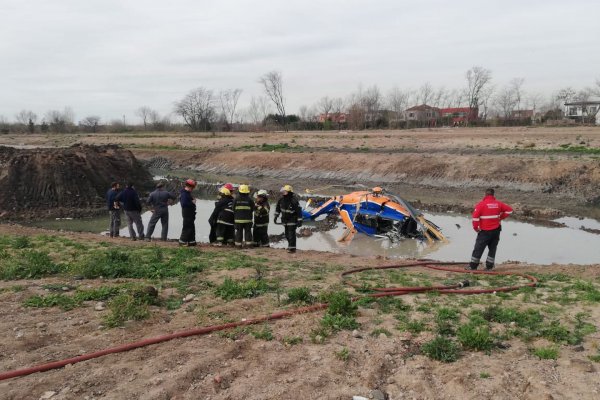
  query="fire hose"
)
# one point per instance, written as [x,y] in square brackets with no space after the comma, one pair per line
[379,292]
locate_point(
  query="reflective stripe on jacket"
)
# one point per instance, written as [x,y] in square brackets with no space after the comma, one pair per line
[261,214]
[243,207]
[289,208]
[488,213]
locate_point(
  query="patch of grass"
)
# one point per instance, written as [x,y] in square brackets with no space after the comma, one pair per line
[22,242]
[546,353]
[475,337]
[378,331]
[300,295]
[126,307]
[413,326]
[442,349]
[343,354]
[595,358]
[339,322]
[230,289]
[292,340]
[264,334]
[173,303]
[28,264]
[52,300]
[555,332]
[484,375]
[339,303]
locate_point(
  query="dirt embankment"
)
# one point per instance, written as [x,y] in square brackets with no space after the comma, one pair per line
[545,186]
[65,181]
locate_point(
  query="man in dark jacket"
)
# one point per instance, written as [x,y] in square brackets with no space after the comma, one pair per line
[243,208]
[486,222]
[222,217]
[261,219]
[289,208]
[188,211]
[159,201]
[113,210]
[129,200]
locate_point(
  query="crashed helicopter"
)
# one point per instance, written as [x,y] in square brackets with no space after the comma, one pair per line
[376,214]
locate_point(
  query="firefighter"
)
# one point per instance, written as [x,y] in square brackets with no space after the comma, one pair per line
[261,219]
[212,220]
[486,222]
[289,208]
[222,216]
[188,212]
[243,208]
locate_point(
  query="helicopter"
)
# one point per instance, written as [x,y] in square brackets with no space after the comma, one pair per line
[376,214]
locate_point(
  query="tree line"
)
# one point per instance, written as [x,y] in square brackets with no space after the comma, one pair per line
[203,109]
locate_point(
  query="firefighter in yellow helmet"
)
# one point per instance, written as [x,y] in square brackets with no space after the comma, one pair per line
[289,208]
[243,208]
[222,218]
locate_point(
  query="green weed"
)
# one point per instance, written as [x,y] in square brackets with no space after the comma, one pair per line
[343,354]
[442,349]
[264,334]
[475,337]
[300,295]
[545,353]
[230,289]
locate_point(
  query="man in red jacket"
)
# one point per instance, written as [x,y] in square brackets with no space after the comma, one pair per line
[486,222]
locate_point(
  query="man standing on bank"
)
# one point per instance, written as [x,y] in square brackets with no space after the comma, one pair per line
[486,222]
[243,208]
[129,200]
[113,210]
[291,215]
[159,201]
[188,212]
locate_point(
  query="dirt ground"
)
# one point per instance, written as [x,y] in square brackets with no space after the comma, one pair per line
[218,366]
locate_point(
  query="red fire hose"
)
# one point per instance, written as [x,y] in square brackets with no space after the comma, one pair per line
[381,292]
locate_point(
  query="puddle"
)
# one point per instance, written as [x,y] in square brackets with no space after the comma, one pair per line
[519,241]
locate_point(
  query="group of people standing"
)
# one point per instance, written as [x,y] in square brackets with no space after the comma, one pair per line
[237,218]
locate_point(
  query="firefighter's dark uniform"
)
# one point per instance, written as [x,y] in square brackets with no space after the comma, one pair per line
[223,218]
[291,217]
[261,223]
[243,208]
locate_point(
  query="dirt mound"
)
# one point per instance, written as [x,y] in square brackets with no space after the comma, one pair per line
[64,181]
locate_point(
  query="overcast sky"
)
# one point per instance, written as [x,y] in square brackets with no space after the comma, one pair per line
[109,57]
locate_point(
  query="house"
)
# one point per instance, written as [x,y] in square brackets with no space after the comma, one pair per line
[459,115]
[584,111]
[521,114]
[422,113]
[339,118]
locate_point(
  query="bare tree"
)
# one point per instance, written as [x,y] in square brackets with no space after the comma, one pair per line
[535,100]
[477,80]
[397,101]
[303,113]
[273,84]
[60,121]
[425,93]
[229,99]
[325,105]
[25,117]
[144,113]
[90,124]
[485,98]
[258,110]
[516,85]
[197,109]
[506,101]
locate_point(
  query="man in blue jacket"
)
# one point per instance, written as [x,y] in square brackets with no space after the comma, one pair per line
[129,200]
[159,201]
[188,212]
[113,210]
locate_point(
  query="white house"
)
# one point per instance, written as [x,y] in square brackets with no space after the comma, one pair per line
[580,110]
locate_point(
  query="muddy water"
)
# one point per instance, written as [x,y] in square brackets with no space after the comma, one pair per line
[519,241]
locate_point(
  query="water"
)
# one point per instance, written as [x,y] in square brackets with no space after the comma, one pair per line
[519,241]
